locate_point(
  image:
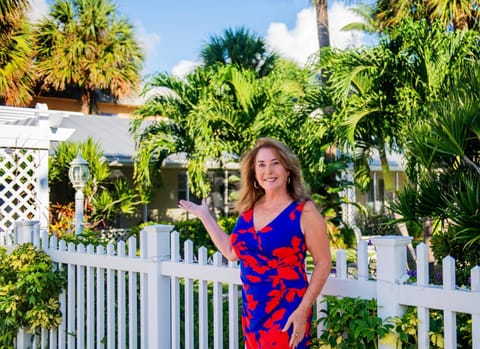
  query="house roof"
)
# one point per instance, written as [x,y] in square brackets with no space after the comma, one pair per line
[118,145]
[111,133]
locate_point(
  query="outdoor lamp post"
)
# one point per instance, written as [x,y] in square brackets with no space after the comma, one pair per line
[78,175]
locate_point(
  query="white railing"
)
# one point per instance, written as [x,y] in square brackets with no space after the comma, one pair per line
[116,298]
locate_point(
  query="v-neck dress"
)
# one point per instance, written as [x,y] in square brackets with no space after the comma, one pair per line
[274,279]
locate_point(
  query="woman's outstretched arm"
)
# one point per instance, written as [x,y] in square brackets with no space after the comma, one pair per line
[218,236]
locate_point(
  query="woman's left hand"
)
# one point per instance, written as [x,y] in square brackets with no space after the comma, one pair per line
[198,211]
[298,319]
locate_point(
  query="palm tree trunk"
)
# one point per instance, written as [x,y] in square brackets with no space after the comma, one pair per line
[322,23]
[387,178]
[88,102]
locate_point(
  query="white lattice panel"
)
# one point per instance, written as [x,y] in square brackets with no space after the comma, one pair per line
[18,185]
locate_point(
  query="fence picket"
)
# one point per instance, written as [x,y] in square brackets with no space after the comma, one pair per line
[175,291]
[132,297]
[80,313]
[362,260]
[121,299]
[189,306]
[203,302]
[110,296]
[233,297]
[423,314]
[475,281]
[341,264]
[71,286]
[43,339]
[90,302]
[63,299]
[100,333]
[217,307]
[449,316]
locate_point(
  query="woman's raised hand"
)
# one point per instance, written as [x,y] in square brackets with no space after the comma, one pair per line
[194,209]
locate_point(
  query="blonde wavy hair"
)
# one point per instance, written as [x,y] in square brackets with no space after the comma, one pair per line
[249,193]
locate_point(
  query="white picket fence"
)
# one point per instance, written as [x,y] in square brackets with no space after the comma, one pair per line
[117,298]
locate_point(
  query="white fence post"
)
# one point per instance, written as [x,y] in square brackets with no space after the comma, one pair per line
[155,242]
[391,271]
[25,231]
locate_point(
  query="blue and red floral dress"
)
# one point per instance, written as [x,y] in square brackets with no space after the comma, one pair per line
[274,279]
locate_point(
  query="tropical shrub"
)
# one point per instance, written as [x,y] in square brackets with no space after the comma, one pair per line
[29,291]
[353,323]
[105,200]
[350,323]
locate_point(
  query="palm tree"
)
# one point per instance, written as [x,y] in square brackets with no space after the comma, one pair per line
[12,8]
[444,172]
[239,47]
[85,46]
[369,24]
[216,112]
[220,108]
[461,14]
[379,91]
[15,53]
[321,10]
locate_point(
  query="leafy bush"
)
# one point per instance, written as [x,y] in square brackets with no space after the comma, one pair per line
[447,244]
[351,323]
[29,291]
[62,218]
[88,237]
[372,224]
[193,229]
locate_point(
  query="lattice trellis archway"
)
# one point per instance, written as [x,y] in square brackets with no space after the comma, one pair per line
[25,136]
[19,186]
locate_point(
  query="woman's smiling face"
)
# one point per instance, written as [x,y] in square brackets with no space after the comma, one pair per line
[269,172]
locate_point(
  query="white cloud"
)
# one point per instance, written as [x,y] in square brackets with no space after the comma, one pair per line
[182,68]
[301,42]
[297,44]
[339,16]
[38,10]
[148,41]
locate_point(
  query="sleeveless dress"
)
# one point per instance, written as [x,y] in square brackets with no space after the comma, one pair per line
[274,279]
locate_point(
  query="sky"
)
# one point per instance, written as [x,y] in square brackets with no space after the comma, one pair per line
[172,32]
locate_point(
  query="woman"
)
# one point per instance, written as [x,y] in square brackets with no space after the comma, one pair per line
[278,224]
